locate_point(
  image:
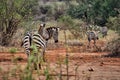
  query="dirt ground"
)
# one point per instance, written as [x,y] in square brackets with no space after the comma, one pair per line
[81,65]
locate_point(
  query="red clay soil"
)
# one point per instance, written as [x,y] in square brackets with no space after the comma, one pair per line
[84,64]
[91,66]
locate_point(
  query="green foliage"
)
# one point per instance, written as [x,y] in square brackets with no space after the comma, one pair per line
[28,72]
[34,48]
[114,24]
[77,11]
[73,25]
[45,9]
[66,59]
[66,21]
[13,50]
[11,14]
[114,47]
[69,23]
[95,10]
[27,75]
[47,75]
[17,8]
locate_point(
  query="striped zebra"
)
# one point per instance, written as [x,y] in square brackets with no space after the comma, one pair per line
[26,43]
[92,35]
[48,33]
[37,40]
[33,38]
[104,31]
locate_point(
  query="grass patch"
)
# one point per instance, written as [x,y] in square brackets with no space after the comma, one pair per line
[13,50]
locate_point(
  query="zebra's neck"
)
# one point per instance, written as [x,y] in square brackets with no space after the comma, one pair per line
[40,31]
[48,33]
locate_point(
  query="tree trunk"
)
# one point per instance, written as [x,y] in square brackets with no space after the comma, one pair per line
[6,36]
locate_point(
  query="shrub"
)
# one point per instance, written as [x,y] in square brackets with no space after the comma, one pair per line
[114,24]
[13,50]
[73,25]
[114,47]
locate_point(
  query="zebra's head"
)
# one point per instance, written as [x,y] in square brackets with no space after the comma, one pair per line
[55,34]
[92,35]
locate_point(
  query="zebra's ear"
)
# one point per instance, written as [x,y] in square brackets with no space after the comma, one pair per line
[53,29]
[43,25]
[58,29]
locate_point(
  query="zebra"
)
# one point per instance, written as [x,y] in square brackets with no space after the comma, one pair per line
[92,35]
[26,43]
[48,33]
[53,32]
[104,31]
[37,39]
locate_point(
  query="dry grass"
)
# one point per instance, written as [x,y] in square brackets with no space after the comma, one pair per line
[20,33]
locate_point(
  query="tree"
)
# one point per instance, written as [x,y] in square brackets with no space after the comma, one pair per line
[12,12]
[94,11]
[73,25]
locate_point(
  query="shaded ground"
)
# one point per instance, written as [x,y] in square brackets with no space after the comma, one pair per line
[82,65]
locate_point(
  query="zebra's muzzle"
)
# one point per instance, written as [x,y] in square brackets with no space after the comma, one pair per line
[56,41]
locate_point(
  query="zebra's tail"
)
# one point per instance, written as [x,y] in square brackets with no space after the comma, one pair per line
[22,44]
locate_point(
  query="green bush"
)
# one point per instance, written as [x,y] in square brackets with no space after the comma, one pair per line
[13,50]
[114,24]
[73,25]
[77,11]
[114,47]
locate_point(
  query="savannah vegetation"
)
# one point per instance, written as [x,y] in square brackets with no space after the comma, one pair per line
[19,16]
[72,15]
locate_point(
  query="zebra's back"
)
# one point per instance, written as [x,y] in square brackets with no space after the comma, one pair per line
[38,40]
[31,39]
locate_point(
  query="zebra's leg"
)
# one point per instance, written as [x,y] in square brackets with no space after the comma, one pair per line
[43,55]
[56,45]
[37,65]
[94,43]
[46,42]
[37,61]
[28,53]
[88,44]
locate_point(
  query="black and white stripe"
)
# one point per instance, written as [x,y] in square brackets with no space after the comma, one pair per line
[34,38]
[26,43]
[40,43]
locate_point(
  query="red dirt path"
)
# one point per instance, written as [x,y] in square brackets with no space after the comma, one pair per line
[91,66]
